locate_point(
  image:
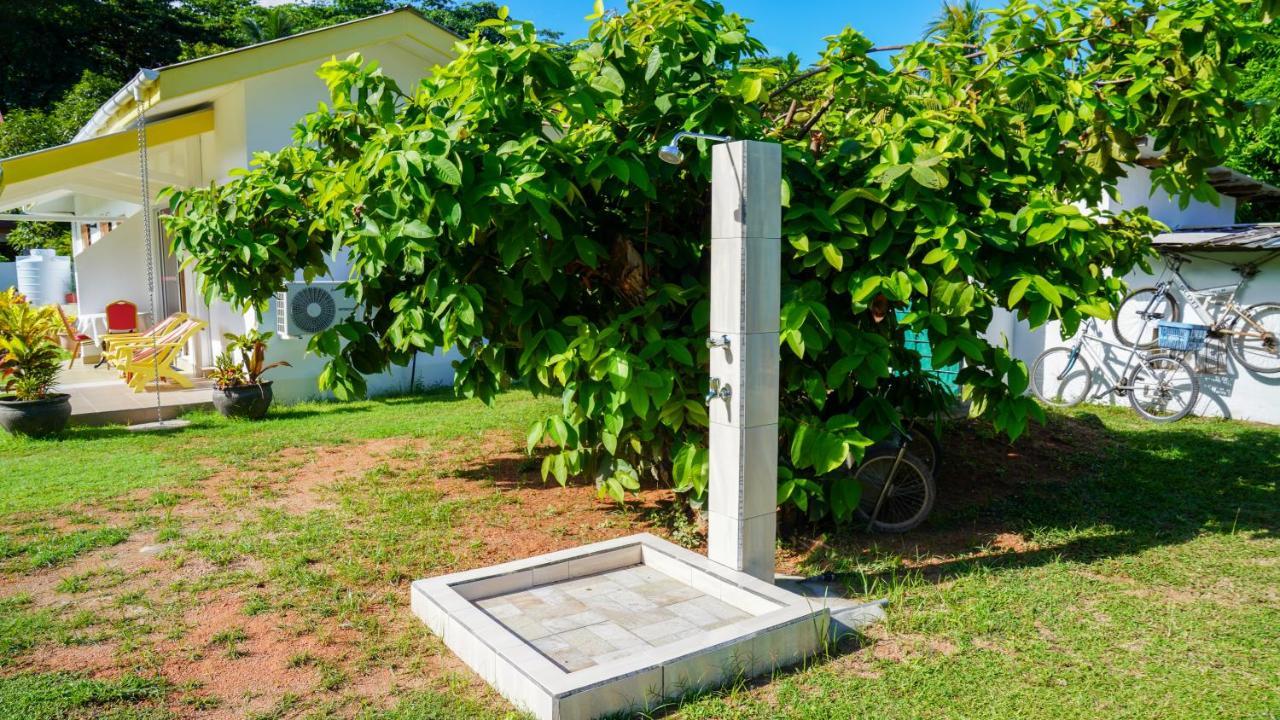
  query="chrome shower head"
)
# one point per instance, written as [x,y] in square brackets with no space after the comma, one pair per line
[670,153]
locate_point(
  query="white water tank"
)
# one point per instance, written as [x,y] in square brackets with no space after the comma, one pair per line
[44,277]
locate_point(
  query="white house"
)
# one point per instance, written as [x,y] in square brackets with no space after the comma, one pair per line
[1208,235]
[205,118]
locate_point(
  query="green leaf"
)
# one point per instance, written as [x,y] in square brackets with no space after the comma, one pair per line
[446,171]
[1017,291]
[927,177]
[1066,119]
[535,435]
[1018,378]
[1047,290]
[609,81]
[833,256]
[935,255]
[654,64]
[845,493]
[417,229]
[558,430]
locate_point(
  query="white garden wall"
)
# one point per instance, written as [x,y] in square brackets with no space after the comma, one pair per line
[1134,191]
[114,268]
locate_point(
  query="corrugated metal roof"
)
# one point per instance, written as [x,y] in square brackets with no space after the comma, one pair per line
[1261,236]
[1225,180]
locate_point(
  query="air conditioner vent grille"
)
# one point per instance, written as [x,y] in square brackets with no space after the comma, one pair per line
[312,310]
[305,309]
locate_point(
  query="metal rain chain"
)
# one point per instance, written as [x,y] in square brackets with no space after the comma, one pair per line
[148,239]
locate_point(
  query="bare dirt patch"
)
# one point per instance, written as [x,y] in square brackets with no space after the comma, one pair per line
[248,643]
[229,660]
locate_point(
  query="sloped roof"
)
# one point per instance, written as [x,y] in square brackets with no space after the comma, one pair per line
[39,163]
[1258,236]
[178,101]
[1225,180]
[166,88]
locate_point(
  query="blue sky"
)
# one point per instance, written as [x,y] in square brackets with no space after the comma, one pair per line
[784,25]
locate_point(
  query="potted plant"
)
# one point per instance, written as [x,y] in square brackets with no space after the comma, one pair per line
[238,388]
[30,361]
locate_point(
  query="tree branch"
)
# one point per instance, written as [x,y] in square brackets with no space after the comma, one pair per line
[817,115]
[818,69]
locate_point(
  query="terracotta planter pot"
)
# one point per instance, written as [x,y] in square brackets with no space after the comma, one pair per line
[35,418]
[249,402]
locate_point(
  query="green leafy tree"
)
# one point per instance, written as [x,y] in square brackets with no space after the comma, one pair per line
[959,22]
[26,130]
[35,235]
[1257,152]
[274,24]
[513,207]
[45,46]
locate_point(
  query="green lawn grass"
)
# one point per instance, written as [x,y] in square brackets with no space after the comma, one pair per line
[1148,584]
[91,462]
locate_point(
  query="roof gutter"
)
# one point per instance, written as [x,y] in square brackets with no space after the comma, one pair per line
[125,95]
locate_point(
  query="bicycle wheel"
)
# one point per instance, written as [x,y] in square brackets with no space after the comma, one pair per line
[910,497]
[1061,377]
[1258,347]
[1140,313]
[924,444]
[1163,388]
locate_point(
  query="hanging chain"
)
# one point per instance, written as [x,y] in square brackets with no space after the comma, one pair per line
[150,243]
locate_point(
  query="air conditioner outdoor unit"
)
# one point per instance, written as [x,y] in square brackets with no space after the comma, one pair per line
[304,309]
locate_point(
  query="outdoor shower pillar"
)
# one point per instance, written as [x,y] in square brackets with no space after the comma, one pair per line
[746,252]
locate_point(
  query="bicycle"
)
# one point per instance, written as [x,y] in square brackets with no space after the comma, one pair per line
[1161,387]
[897,486]
[1253,332]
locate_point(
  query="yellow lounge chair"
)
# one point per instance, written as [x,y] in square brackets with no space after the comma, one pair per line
[153,360]
[117,348]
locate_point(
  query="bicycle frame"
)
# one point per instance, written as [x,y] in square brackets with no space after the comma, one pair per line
[1117,381]
[1193,298]
[902,438]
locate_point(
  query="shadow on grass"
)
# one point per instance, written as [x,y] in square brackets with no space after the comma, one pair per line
[1082,488]
[515,471]
[209,420]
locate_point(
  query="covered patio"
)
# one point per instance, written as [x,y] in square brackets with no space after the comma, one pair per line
[100,397]
[95,186]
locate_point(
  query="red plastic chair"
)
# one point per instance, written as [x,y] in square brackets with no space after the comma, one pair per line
[122,317]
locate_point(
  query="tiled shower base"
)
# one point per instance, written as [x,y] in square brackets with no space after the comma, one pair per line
[615,626]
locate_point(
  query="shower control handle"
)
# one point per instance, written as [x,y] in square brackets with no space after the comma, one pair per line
[719,390]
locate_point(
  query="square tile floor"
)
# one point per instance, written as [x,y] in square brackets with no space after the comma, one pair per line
[595,619]
[101,392]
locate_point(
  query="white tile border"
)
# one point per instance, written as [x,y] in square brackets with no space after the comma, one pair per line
[784,628]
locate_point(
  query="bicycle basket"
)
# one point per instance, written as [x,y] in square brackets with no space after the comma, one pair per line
[1185,337]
